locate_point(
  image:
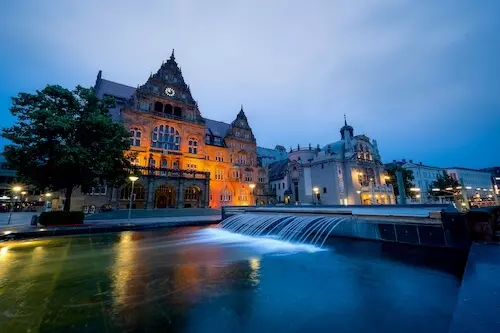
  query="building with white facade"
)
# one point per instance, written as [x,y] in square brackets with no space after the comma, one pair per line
[478,184]
[347,172]
[424,176]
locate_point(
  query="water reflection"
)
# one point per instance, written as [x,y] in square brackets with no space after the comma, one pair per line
[124,269]
[185,281]
[255,267]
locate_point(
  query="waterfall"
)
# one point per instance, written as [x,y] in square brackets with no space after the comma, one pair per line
[313,230]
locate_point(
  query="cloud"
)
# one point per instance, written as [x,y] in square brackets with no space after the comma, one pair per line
[400,70]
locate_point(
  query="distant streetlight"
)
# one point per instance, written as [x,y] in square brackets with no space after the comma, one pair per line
[252,186]
[16,189]
[449,189]
[316,192]
[468,187]
[133,179]
[415,189]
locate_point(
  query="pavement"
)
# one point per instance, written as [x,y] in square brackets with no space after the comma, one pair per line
[20,227]
[478,305]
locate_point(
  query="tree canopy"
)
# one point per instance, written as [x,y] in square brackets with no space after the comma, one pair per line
[442,182]
[64,139]
[407,179]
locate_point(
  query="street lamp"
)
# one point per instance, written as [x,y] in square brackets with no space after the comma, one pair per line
[133,179]
[316,191]
[252,186]
[15,190]
[359,193]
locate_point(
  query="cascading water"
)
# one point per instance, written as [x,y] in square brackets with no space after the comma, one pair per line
[313,230]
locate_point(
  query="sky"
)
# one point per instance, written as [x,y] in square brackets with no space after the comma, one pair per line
[421,77]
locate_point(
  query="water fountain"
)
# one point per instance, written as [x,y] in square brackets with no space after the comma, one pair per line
[424,225]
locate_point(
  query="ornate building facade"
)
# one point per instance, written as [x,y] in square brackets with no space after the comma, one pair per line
[185,159]
[345,172]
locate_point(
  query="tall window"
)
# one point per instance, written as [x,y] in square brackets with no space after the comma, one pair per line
[225,195]
[135,137]
[193,146]
[243,195]
[165,137]
[236,174]
[248,176]
[219,174]
[242,159]
[163,165]
[219,157]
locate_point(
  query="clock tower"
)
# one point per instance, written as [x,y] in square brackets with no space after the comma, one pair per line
[166,93]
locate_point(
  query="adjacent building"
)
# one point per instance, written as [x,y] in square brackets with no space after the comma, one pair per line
[345,172]
[424,176]
[186,160]
[478,184]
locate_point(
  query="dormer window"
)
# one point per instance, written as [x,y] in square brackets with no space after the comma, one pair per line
[217,141]
[207,138]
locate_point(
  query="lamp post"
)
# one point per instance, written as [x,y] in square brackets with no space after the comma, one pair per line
[359,194]
[133,179]
[15,190]
[48,203]
[252,187]
[316,191]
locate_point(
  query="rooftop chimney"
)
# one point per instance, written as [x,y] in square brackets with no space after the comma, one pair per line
[420,163]
[404,160]
[411,161]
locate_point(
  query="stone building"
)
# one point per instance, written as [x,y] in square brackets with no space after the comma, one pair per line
[186,160]
[346,172]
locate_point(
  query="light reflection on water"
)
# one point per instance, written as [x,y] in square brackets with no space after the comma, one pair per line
[206,279]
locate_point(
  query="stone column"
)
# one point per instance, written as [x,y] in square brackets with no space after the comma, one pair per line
[150,194]
[180,194]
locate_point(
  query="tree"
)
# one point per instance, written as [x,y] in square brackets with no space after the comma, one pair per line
[407,179]
[66,139]
[442,182]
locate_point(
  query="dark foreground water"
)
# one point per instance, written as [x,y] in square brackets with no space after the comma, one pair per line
[206,280]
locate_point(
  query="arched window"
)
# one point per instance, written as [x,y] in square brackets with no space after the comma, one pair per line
[135,137]
[168,109]
[158,107]
[139,192]
[178,111]
[165,137]
[193,146]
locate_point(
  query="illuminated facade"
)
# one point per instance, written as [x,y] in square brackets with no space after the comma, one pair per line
[185,159]
[345,172]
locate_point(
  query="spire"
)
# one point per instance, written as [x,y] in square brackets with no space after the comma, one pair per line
[172,57]
[345,120]
[241,109]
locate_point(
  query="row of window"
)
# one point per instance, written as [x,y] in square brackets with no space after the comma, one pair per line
[279,186]
[163,137]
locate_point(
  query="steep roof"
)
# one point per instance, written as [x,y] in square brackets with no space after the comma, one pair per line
[277,169]
[106,87]
[216,128]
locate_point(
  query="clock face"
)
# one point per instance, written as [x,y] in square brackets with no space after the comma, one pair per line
[169,91]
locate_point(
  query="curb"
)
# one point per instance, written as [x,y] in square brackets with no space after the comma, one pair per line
[99,228]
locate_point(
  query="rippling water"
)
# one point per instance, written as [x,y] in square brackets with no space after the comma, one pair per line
[209,280]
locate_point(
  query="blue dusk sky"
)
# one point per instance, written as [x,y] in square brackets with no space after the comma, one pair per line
[421,77]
